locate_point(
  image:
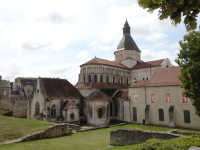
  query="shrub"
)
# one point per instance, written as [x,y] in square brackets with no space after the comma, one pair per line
[157,144]
[196,135]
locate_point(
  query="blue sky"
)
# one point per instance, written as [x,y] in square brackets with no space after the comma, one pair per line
[52,38]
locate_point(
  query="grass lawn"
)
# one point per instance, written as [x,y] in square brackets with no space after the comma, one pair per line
[89,140]
[13,128]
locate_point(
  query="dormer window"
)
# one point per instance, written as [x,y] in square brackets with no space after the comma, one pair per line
[147,78]
[143,78]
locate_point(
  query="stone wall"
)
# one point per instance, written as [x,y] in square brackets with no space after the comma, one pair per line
[53,131]
[20,108]
[127,137]
[6,106]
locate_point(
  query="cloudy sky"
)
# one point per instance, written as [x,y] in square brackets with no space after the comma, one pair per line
[52,38]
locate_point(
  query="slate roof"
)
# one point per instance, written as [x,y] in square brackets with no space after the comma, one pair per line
[148,64]
[161,77]
[59,88]
[127,43]
[104,62]
[4,83]
[126,24]
[98,95]
[122,94]
[166,77]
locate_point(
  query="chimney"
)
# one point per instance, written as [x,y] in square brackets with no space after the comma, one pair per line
[134,80]
[0,77]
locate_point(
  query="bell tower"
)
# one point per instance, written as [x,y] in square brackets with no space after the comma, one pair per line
[127,52]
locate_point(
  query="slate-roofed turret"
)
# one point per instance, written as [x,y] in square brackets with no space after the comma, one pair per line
[127,42]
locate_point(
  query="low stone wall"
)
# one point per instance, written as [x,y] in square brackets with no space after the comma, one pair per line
[53,131]
[101,127]
[127,137]
[175,131]
[74,126]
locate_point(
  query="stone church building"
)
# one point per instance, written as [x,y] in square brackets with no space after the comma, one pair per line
[126,89]
[99,73]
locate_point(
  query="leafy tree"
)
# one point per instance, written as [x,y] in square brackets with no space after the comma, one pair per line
[189,60]
[174,9]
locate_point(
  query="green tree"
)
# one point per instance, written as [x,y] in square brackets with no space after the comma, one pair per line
[174,9]
[189,60]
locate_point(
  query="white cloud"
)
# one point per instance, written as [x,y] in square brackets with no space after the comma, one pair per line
[147,55]
[82,54]
[176,45]
[12,69]
[59,68]
[155,37]
[100,45]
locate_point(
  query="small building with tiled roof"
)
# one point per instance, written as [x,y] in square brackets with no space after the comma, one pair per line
[54,100]
[161,101]
[98,108]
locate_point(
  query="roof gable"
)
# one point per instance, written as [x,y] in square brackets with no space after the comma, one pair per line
[68,103]
[98,95]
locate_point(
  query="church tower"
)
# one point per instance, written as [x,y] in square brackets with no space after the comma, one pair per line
[127,52]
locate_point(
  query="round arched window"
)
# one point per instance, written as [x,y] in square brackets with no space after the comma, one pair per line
[72,116]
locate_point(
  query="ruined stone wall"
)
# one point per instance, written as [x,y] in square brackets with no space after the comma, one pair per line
[6,105]
[53,131]
[127,137]
[20,108]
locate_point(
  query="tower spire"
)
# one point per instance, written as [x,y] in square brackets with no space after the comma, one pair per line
[126,28]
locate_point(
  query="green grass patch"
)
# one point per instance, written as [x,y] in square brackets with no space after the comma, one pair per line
[13,128]
[88,140]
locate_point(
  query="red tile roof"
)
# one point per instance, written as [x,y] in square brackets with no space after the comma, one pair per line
[125,85]
[117,86]
[98,95]
[97,85]
[66,104]
[59,88]
[140,83]
[104,62]
[83,85]
[148,64]
[122,94]
[166,77]
[161,77]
